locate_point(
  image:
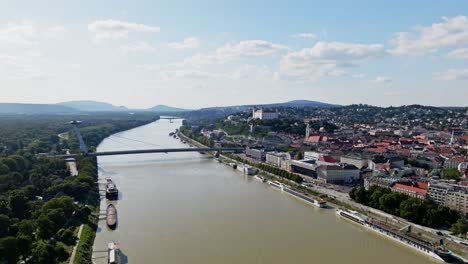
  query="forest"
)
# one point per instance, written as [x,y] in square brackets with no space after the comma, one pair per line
[41,204]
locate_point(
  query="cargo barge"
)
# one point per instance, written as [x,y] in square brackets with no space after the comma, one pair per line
[429,249]
[111,216]
[113,253]
[316,201]
[112,193]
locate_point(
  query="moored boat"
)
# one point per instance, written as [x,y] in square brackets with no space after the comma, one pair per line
[260,178]
[316,201]
[113,253]
[112,193]
[111,216]
[436,252]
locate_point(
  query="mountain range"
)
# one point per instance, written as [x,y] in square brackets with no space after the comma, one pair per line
[95,106]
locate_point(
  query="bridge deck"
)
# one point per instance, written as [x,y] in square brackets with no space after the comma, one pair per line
[144,151]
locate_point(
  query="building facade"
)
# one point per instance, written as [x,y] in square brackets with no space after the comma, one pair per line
[257,154]
[356,160]
[278,159]
[264,114]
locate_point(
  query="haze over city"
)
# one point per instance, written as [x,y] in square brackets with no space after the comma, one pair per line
[194,54]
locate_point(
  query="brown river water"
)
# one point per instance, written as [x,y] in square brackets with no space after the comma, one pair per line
[188,208]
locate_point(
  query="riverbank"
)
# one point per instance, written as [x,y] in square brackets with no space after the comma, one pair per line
[83,250]
[333,202]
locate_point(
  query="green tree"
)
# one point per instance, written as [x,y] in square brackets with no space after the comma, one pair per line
[43,253]
[19,204]
[4,225]
[451,174]
[9,251]
[413,209]
[460,227]
[67,236]
[45,225]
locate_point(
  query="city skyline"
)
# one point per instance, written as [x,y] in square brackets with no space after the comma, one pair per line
[143,53]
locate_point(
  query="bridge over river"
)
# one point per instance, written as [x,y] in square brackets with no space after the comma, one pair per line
[145,151]
[84,149]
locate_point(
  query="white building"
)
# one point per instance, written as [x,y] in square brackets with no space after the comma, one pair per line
[356,160]
[279,159]
[264,114]
[338,174]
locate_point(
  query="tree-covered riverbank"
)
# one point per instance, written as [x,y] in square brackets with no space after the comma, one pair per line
[41,204]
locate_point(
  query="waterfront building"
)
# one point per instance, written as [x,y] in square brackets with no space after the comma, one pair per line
[384,182]
[278,159]
[416,190]
[305,167]
[264,114]
[357,160]
[320,158]
[257,154]
[437,192]
[458,200]
[450,195]
[338,174]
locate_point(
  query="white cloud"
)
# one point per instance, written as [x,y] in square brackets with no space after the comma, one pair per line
[451,31]
[304,35]
[187,43]
[233,51]
[458,54]
[340,51]
[117,30]
[137,47]
[381,79]
[326,59]
[451,75]
[19,34]
[250,48]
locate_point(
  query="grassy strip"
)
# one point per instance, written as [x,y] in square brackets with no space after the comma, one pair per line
[85,246]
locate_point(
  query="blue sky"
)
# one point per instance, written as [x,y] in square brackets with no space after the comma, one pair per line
[203,53]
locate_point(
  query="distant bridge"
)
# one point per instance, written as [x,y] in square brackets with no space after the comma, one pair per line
[84,150]
[145,151]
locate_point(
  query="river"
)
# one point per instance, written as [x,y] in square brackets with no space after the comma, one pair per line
[188,208]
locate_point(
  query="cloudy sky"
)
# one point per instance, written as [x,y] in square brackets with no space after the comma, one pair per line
[204,53]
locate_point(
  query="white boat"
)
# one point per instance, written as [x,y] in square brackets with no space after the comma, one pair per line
[395,235]
[260,178]
[316,201]
[352,215]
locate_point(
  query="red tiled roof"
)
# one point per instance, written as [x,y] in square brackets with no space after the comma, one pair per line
[380,149]
[327,159]
[311,119]
[409,188]
[314,139]
[422,185]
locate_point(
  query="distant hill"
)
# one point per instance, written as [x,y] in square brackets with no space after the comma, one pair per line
[165,108]
[15,108]
[301,103]
[93,106]
[220,111]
